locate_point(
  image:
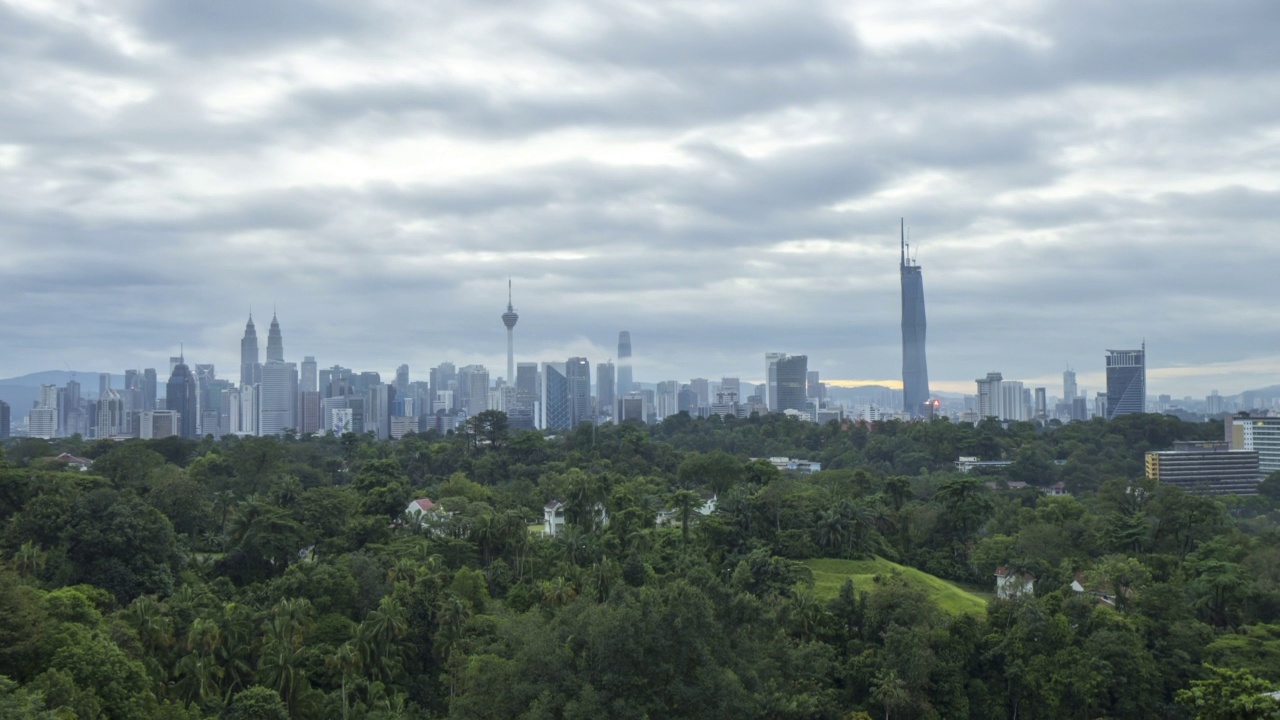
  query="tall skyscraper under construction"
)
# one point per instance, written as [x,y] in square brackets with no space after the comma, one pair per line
[915,371]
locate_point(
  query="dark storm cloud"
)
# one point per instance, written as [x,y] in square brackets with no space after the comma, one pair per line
[720,180]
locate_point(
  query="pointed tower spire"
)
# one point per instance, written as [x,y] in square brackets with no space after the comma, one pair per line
[509,319]
[902,228]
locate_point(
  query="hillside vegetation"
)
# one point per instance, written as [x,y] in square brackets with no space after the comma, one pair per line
[829,574]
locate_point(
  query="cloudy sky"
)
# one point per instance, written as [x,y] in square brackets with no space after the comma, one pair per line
[720,178]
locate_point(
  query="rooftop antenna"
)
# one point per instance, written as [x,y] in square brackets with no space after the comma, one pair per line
[902,228]
[182,354]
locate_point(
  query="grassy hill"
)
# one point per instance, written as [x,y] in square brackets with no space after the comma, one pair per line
[829,575]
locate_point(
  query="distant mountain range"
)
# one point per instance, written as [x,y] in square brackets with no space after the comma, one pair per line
[21,392]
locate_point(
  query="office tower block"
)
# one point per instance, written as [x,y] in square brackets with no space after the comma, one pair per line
[249,358]
[1042,405]
[790,376]
[1012,402]
[5,420]
[702,388]
[444,377]
[813,386]
[509,319]
[132,380]
[69,409]
[606,388]
[1068,386]
[554,402]
[42,420]
[625,380]
[104,383]
[362,382]
[1080,408]
[915,370]
[527,384]
[770,396]
[309,412]
[1206,468]
[1126,382]
[578,374]
[181,397]
[732,385]
[149,384]
[248,424]
[990,395]
[110,419]
[277,398]
[378,410]
[275,341]
[309,379]
[472,378]
[630,407]
[402,380]
[156,424]
[666,398]
[687,400]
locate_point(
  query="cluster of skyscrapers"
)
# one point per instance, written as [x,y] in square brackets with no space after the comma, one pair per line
[273,395]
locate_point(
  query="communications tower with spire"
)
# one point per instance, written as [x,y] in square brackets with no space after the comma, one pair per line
[509,319]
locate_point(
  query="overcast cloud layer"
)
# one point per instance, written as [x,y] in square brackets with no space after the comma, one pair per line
[720,178]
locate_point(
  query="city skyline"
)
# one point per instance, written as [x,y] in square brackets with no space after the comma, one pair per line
[718,185]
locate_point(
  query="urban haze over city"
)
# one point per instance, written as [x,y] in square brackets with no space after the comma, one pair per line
[1074,180]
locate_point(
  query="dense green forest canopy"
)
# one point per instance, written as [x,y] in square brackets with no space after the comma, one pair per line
[287,578]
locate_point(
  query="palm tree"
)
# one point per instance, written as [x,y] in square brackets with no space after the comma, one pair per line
[488,531]
[379,638]
[890,691]
[223,500]
[346,662]
[28,560]
[453,616]
[557,592]
[405,570]
[148,619]
[833,531]
[684,501]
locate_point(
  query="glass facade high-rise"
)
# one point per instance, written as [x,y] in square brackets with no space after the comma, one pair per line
[792,374]
[625,379]
[606,388]
[180,396]
[578,373]
[555,413]
[915,371]
[1126,382]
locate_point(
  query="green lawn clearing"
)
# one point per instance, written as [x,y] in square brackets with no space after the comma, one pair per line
[829,575]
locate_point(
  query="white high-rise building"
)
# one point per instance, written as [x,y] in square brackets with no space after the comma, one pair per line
[666,398]
[771,379]
[990,395]
[477,391]
[249,410]
[156,424]
[42,420]
[111,418]
[1012,406]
